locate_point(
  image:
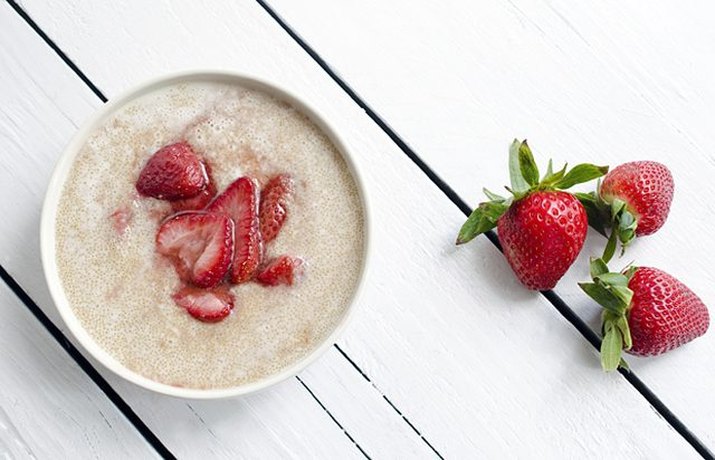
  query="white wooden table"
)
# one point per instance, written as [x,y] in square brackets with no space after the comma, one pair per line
[447,356]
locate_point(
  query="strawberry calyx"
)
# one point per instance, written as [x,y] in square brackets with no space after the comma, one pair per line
[611,291]
[614,215]
[524,178]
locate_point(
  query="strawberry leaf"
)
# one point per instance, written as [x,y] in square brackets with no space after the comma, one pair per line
[598,214]
[617,205]
[584,198]
[518,184]
[549,170]
[611,291]
[598,267]
[611,347]
[613,279]
[527,165]
[622,324]
[552,178]
[627,225]
[605,297]
[610,248]
[580,174]
[493,196]
[624,365]
[482,219]
[624,293]
[626,219]
[630,271]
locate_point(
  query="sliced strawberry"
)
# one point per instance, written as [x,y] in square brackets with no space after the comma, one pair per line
[202,199]
[205,305]
[282,270]
[200,245]
[274,205]
[174,172]
[240,202]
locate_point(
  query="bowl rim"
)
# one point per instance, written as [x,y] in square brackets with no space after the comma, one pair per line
[54,192]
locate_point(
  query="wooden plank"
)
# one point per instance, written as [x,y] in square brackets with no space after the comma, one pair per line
[351,395]
[606,83]
[42,104]
[48,404]
[451,352]
[282,422]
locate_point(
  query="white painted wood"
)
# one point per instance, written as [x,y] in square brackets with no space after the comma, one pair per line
[603,82]
[42,102]
[477,365]
[346,392]
[281,422]
[48,405]
[250,424]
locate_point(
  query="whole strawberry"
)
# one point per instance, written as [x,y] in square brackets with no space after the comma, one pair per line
[541,229]
[646,312]
[634,200]
[542,234]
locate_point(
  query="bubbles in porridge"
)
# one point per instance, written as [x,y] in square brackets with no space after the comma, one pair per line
[121,290]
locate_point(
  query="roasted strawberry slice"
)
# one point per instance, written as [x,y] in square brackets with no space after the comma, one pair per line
[274,205]
[201,200]
[240,202]
[200,245]
[174,172]
[205,305]
[282,270]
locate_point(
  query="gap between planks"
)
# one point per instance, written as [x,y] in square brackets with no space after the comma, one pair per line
[551,296]
[87,366]
[122,405]
[558,303]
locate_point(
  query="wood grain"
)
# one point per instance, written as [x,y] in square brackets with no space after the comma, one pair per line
[476,364]
[605,83]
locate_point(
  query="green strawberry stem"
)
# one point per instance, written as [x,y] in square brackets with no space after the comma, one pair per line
[614,216]
[610,248]
[611,291]
[524,179]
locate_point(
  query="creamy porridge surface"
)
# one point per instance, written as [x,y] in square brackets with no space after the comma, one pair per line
[120,289]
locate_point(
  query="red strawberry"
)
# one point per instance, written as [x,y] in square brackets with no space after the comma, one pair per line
[173,172]
[542,234]
[664,313]
[541,229]
[282,270]
[200,244]
[199,201]
[206,305]
[647,189]
[646,311]
[274,205]
[240,202]
[634,199]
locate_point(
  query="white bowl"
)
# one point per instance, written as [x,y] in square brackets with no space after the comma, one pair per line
[52,198]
